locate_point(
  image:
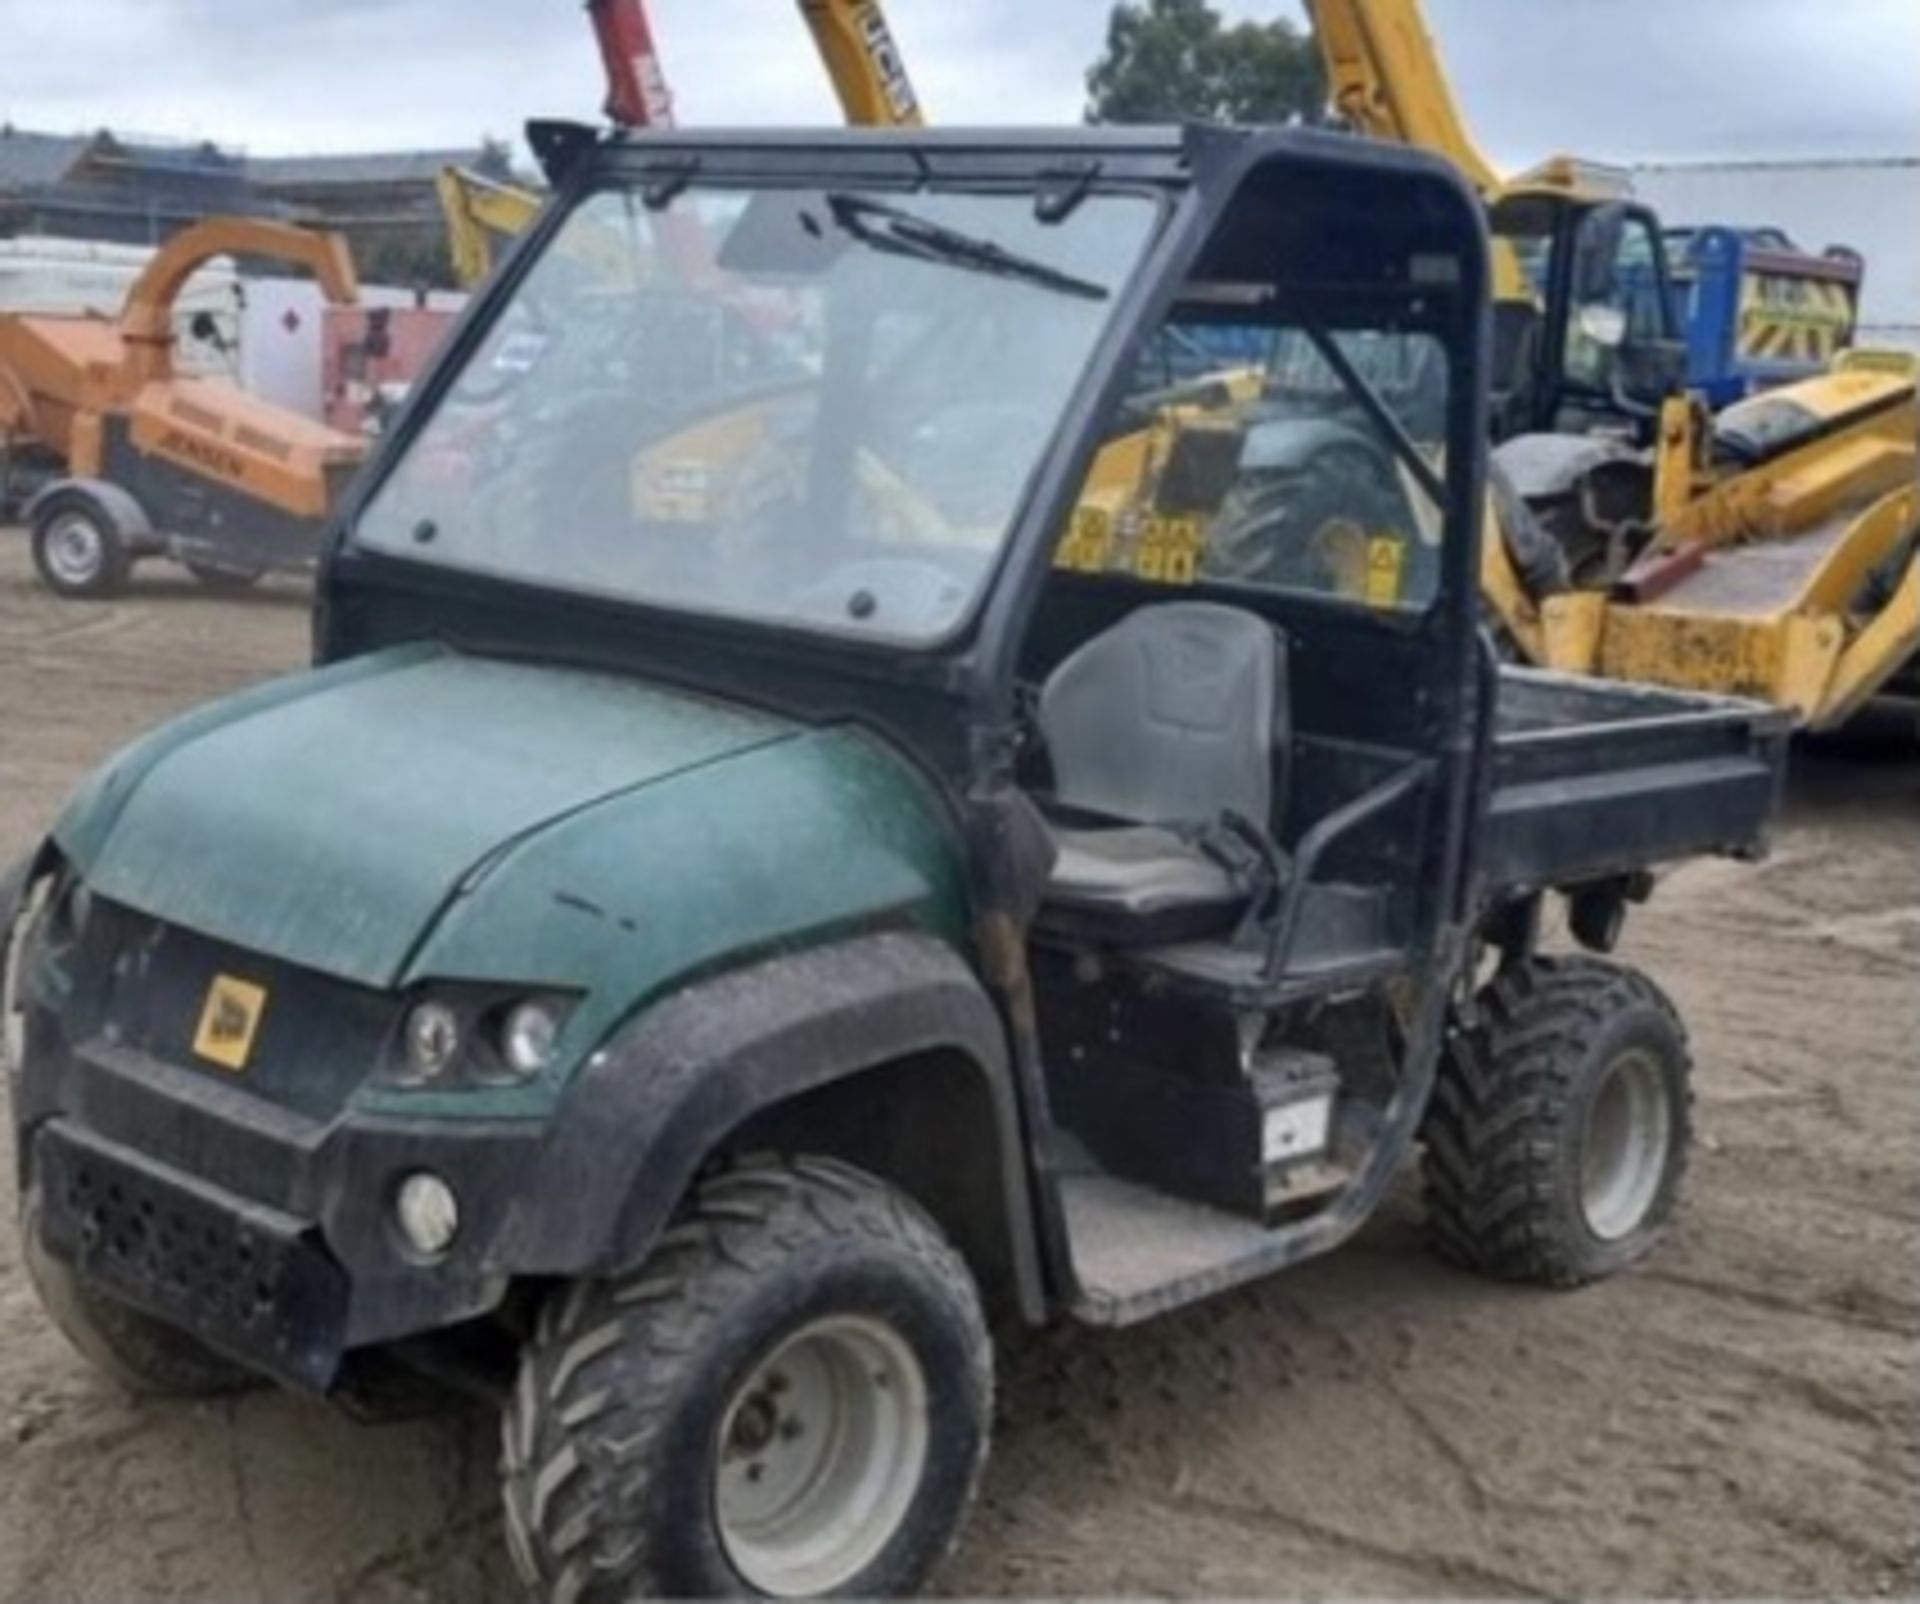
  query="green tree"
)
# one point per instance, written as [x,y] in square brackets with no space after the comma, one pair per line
[1171,60]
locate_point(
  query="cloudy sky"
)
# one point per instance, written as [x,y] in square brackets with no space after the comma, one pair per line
[1607,78]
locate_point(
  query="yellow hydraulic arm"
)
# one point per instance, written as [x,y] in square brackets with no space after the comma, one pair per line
[480,212]
[864,64]
[868,72]
[1386,79]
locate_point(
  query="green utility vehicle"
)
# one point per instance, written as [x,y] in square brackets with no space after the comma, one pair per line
[821,819]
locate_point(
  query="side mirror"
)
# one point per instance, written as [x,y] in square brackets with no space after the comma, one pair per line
[1596,262]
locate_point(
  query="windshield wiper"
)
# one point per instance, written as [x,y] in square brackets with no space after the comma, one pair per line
[901,233]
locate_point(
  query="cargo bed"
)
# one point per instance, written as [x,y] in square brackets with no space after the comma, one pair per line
[1592,778]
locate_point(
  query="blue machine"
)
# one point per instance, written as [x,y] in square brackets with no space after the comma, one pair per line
[1758,310]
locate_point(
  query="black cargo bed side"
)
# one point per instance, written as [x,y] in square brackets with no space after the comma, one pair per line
[1592,779]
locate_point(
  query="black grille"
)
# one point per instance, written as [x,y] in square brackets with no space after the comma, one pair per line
[318,1039]
[246,1280]
[174,1252]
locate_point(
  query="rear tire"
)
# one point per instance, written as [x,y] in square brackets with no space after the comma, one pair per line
[1558,1135]
[139,1354]
[1314,529]
[792,1397]
[77,549]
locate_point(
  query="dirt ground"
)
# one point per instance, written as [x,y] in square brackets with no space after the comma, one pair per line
[1741,1417]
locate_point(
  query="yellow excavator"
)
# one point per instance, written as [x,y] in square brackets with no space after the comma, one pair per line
[1771,551]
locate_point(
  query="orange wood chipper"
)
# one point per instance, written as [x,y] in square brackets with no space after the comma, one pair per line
[158,463]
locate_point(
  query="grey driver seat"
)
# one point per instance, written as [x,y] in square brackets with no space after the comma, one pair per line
[1158,730]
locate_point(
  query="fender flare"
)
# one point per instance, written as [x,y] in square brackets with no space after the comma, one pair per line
[669,1089]
[115,503]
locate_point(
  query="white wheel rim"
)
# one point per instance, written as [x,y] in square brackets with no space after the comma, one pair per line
[1624,1146]
[820,1453]
[75,548]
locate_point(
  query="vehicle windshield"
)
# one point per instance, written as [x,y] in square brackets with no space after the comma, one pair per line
[818,408]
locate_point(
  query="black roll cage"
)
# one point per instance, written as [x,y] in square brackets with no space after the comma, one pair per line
[369,599]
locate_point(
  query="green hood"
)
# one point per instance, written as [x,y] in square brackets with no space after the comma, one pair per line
[330,819]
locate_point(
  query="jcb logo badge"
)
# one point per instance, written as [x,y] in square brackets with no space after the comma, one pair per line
[888,64]
[229,1020]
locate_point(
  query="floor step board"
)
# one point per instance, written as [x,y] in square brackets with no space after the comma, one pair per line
[1140,1252]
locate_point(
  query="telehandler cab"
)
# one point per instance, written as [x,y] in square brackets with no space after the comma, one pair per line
[729,911]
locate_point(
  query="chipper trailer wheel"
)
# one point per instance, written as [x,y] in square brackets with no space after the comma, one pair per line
[1559,1130]
[791,1397]
[77,548]
[142,1355]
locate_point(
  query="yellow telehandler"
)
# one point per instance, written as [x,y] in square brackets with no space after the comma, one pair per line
[1770,551]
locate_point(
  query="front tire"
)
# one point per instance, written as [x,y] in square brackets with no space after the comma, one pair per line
[77,549]
[1559,1131]
[139,1354]
[792,1397]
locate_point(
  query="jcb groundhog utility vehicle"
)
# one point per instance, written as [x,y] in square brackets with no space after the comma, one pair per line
[157,463]
[731,908]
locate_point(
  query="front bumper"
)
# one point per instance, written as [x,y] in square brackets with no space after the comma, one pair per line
[266,1234]
[246,1279]
[255,1209]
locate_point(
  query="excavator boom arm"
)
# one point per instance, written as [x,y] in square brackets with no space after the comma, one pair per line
[1386,78]
[869,74]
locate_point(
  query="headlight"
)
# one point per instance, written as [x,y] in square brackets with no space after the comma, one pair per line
[528,1038]
[459,1037]
[434,1039]
[427,1213]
